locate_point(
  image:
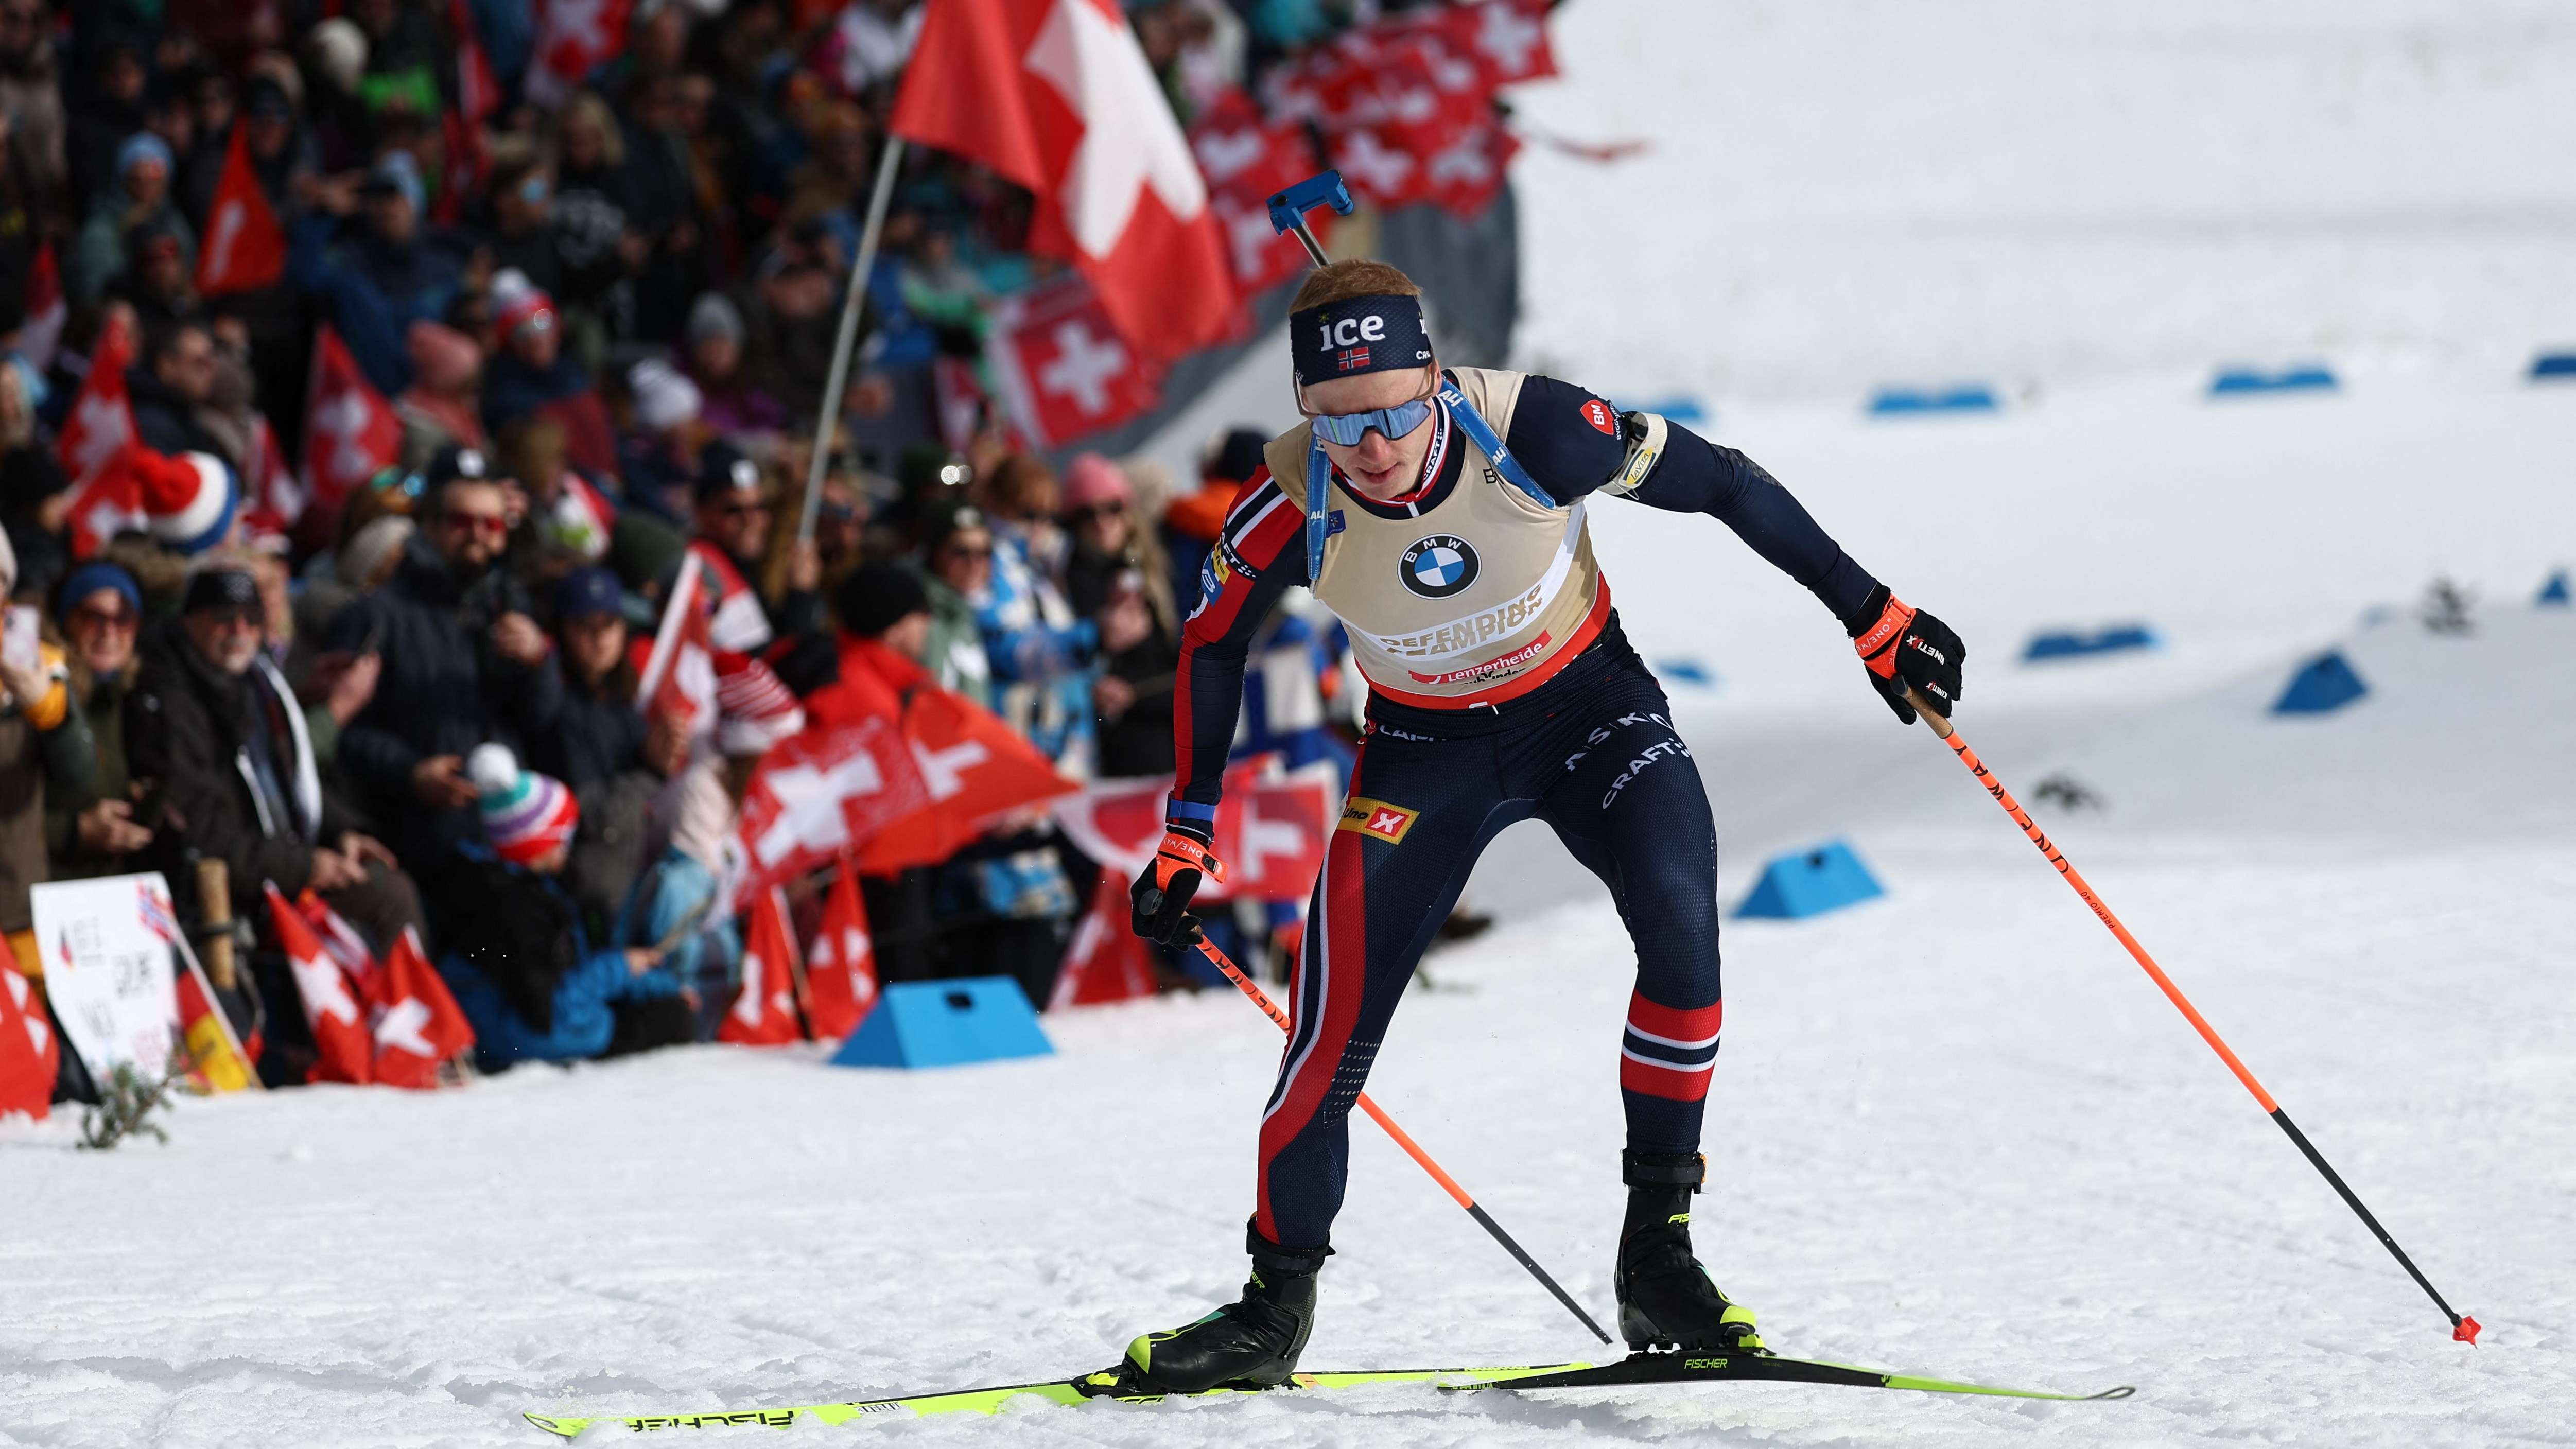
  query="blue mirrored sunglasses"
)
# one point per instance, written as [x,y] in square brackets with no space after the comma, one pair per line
[1348,428]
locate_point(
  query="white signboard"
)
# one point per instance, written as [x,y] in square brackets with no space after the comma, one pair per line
[106,945]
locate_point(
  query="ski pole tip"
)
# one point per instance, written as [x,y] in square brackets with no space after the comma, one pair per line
[2466,1330]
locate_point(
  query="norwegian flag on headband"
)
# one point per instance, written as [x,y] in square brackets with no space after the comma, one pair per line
[245,246]
[1062,366]
[574,38]
[350,431]
[1057,96]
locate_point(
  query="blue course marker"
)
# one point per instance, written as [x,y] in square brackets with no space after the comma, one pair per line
[1965,397]
[2323,685]
[1810,882]
[2300,377]
[2075,643]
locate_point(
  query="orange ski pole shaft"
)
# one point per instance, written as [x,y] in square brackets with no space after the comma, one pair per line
[1412,1149]
[2463,1328]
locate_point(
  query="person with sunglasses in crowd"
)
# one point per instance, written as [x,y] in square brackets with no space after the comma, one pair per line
[220,754]
[91,832]
[1440,513]
[463,660]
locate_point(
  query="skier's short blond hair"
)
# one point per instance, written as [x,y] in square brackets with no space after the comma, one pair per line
[1359,277]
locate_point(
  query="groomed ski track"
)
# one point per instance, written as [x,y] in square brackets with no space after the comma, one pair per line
[1952,1129]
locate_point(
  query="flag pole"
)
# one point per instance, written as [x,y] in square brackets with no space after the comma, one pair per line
[837,384]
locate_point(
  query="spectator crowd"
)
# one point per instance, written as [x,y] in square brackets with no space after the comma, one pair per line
[598,309]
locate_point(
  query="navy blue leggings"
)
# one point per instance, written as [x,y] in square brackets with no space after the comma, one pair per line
[1598,760]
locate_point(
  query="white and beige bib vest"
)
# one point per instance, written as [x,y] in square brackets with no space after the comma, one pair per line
[1477,599]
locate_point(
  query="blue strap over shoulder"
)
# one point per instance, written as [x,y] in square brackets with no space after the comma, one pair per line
[1319,472]
[1481,433]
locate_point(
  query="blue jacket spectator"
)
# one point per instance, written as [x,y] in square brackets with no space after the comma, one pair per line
[378,278]
[525,974]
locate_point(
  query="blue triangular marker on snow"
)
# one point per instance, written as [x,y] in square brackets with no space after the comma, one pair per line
[2553,594]
[946,1024]
[1809,883]
[2322,685]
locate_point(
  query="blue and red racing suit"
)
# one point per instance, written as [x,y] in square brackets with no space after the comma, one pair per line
[1573,730]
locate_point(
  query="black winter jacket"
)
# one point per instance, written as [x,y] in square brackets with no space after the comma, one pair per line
[443,691]
[189,742]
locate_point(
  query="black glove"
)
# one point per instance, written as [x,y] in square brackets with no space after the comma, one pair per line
[1902,648]
[1160,899]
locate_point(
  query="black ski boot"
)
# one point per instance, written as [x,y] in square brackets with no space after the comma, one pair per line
[1665,1297]
[1250,1343]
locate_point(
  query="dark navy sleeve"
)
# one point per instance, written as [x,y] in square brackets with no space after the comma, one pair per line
[1258,554]
[1698,476]
[1568,439]
[1572,442]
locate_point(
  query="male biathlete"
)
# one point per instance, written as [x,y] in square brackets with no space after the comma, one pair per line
[1439,513]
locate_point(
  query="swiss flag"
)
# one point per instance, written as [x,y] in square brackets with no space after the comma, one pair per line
[841,975]
[973,768]
[1382,170]
[478,95]
[1246,159]
[574,38]
[347,949]
[764,1011]
[678,675]
[1507,38]
[418,1023]
[245,247]
[1106,961]
[1271,828]
[29,1054]
[39,335]
[101,421]
[1057,96]
[825,792]
[1465,178]
[1064,368]
[275,495]
[689,673]
[350,431]
[342,1049]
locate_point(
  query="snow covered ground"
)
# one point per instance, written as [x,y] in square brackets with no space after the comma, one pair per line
[1955,1130]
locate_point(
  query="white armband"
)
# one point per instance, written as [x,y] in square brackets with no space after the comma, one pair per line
[1645,448]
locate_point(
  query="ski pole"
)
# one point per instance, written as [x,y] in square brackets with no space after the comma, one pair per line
[2464,1329]
[1411,1148]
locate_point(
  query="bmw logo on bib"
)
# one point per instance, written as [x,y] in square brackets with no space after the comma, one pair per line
[1438,566]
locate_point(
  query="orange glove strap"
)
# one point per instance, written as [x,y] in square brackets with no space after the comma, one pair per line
[1874,642]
